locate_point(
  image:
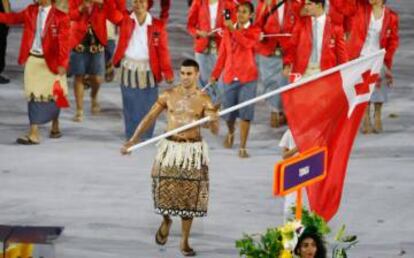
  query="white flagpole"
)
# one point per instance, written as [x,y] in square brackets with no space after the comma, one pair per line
[257,99]
[215,31]
[277,35]
[206,87]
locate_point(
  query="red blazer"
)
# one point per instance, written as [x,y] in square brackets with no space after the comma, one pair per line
[55,41]
[165,8]
[336,11]
[100,13]
[237,56]
[159,54]
[199,19]
[121,5]
[389,38]
[341,11]
[270,25]
[300,50]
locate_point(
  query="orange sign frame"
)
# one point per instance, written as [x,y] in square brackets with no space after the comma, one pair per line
[279,171]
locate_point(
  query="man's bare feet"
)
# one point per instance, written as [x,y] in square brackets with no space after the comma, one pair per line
[78,117]
[243,153]
[228,141]
[95,107]
[274,120]
[186,250]
[161,237]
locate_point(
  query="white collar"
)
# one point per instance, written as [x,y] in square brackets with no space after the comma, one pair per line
[46,9]
[246,25]
[148,19]
[382,15]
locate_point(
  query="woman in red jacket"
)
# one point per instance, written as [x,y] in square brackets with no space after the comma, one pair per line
[144,56]
[374,27]
[236,59]
[44,51]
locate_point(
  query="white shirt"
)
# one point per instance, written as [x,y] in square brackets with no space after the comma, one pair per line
[287,140]
[138,44]
[372,42]
[280,12]
[321,20]
[213,14]
[245,26]
[327,6]
[37,48]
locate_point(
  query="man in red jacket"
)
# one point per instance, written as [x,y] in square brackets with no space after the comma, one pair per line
[88,39]
[374,27]
[145,60]
[276,20]
[317,43]
[44,52]
[236,59]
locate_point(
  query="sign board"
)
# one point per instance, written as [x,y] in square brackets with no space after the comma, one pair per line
[299,171]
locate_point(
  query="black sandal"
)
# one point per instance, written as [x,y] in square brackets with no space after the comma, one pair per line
[25,140]
[188,252]
[160,239]
[55,135]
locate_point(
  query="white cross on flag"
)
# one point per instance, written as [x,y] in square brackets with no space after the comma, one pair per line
[326,111]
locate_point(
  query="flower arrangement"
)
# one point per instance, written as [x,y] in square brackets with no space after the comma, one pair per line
[280,242]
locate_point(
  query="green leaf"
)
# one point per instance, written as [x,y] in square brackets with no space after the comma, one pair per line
[350,238]
[340,233]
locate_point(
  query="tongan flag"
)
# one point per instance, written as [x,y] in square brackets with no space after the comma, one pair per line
[326,111]
[60,98]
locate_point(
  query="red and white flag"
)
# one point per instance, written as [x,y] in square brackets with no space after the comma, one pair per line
[326,111]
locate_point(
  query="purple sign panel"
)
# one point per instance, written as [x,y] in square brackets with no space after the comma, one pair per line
[302,172]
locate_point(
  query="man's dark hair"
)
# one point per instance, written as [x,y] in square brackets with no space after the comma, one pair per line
[318,2]
[320,245]
[249,5]
[191,63]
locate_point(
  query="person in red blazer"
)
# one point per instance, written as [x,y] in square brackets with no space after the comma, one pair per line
[88,39]
[236,60]
[307,56]
[272,22]
[144,56]
[44,51]
[205,24]
[374,27]
[110,46]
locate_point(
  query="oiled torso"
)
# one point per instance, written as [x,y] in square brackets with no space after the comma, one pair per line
[184,106]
